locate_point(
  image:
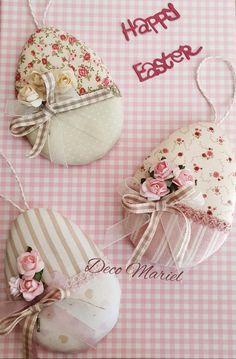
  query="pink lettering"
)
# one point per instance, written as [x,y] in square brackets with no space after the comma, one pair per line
[158,66]
[131,28]
[151,23]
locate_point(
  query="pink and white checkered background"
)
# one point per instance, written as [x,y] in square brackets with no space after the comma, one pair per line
[195,318]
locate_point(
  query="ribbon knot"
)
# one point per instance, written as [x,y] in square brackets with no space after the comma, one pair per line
[40,120]
[36,308]
[49,110]
[137,204]
[161,206]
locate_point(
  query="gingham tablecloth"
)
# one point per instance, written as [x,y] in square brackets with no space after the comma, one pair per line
[191,319]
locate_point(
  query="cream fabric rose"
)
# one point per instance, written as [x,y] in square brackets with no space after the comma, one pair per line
[36,81]
[14,284]
[29,97]
[65,80]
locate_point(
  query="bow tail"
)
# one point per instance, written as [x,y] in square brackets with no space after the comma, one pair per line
[145,240]
[7,324]
[28,332]
[180,253]
[41,139]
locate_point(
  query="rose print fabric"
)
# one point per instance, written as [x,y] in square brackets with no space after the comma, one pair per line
[79,70]
[50,48]
[206,152]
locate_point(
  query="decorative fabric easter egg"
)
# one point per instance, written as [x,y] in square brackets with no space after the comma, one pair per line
[74,116]
[205,151]
[63,247]
[180,202]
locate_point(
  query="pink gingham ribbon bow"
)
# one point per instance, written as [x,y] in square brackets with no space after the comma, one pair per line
[14,312]
[137,204]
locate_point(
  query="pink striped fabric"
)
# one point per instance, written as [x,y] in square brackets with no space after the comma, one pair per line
[194,318]
[203,243]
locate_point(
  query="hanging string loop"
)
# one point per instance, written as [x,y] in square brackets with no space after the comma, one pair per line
[33,14]
[203,91]
[13,171]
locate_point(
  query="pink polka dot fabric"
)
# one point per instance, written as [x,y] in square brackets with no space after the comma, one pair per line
[193,318]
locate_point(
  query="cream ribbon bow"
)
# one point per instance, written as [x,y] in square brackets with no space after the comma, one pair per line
[40,120]
[137,204]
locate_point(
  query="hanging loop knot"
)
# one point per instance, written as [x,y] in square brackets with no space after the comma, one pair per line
[137,204]
[40,120]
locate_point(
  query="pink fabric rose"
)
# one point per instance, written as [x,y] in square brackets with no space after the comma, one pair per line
[29,263]
[163,170]
[14,284]
[30,289]
[183,178]
[154,188]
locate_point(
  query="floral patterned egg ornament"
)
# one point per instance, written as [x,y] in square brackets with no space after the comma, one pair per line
[71,109]
[187,187]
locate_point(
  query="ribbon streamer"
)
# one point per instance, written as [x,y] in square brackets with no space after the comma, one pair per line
[145,216]
[139,205]
[40,120]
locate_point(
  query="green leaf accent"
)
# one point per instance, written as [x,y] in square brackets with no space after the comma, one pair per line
[38,275]
[152,174]
[173,187]
[163,158]
[181,167]
[168,183]
[143,180]
[29,249]
[38,324]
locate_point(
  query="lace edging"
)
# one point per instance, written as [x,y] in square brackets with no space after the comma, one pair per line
[204,218]
[80,279]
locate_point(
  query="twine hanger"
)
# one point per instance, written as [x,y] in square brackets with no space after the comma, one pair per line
[44,14]
[203,91]
[14,204]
